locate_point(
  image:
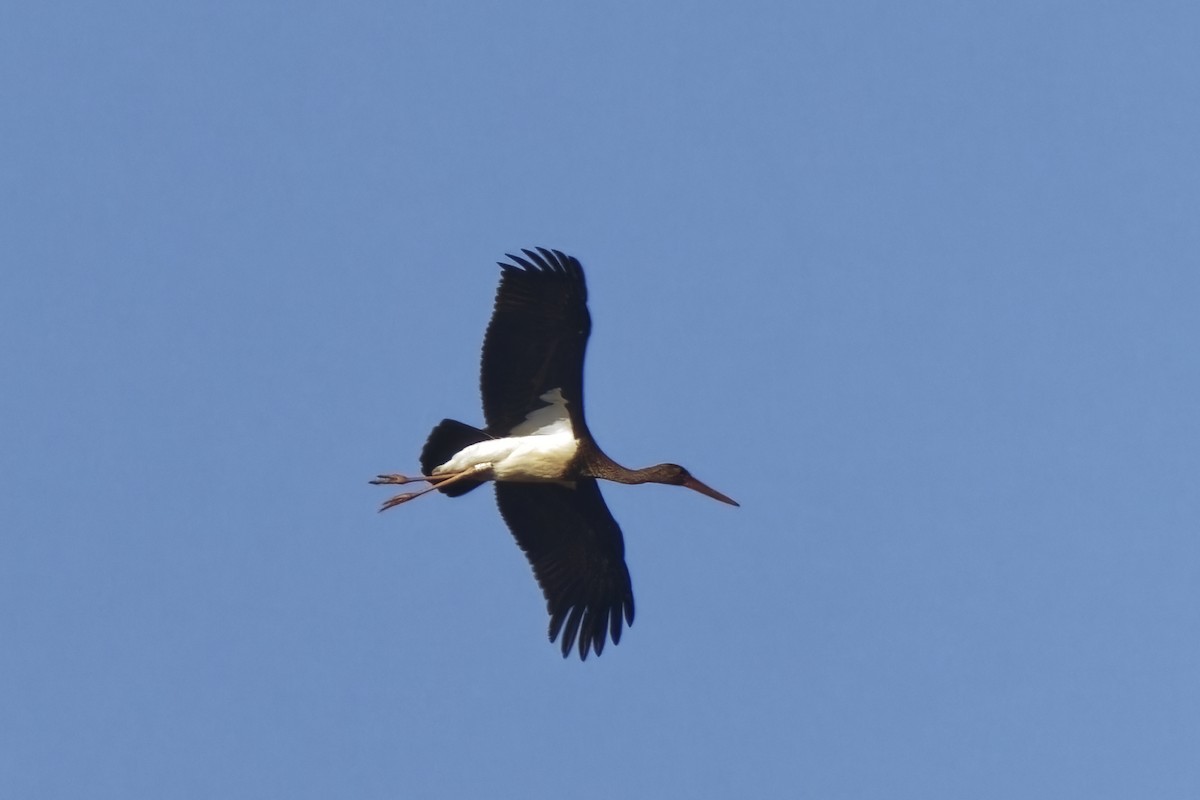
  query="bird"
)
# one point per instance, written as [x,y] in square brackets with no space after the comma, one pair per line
[537,450]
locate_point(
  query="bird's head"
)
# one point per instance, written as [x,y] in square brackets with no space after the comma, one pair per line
[676,475]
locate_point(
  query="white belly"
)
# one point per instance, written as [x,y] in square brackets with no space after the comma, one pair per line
[542,457]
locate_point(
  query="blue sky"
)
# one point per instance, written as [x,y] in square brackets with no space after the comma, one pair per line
[917,284]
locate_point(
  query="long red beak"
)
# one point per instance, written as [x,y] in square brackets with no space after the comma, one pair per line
[704,488]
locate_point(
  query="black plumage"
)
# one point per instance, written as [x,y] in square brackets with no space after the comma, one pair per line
[532,362]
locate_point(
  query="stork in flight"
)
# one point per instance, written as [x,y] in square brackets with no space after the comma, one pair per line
[538,451]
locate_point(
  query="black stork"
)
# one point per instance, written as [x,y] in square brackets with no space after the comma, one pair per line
[538,451]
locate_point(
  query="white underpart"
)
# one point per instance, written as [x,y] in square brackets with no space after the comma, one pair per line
[549,419]
[540,448]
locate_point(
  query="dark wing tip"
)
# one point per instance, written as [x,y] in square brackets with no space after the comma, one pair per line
[591,622]
[590,626]
[543,259]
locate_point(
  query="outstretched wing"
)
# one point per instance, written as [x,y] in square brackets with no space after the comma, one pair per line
[536,340]
[578,558]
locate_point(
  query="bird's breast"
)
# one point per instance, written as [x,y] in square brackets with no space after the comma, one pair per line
[545,457]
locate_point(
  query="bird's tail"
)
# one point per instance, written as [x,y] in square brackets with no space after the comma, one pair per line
[447,438]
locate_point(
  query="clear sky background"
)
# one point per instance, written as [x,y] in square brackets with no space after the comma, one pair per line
[917,283]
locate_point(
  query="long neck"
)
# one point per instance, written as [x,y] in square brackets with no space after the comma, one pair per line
[643,475]
[599,465]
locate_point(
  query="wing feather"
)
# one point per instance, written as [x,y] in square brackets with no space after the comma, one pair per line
[578,557]
[536,339]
